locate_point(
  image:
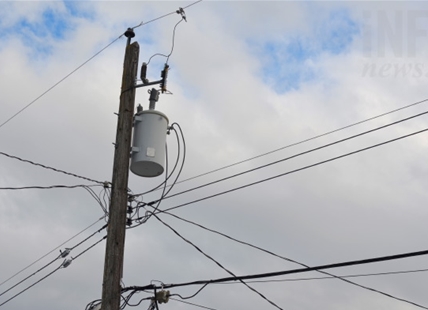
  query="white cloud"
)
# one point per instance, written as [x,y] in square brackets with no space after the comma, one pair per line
[361,206]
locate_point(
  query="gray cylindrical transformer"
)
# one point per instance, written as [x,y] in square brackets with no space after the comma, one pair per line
[148,147]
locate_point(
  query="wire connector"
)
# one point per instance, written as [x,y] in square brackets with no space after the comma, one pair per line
[65,253]
[182,13]
[66,263]
[162,296]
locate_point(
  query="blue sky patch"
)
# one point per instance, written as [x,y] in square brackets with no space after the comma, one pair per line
[55,25]
[337,33]
[79,9]
[51,25]
[289,63]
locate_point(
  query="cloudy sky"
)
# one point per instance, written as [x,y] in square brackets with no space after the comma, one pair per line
[247,78]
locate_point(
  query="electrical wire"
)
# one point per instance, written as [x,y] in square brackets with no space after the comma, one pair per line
[217,263]
[142,220]
[177,160]
[170,298]
[27,288]
[56,248]
[303,270]
[89,237]
[54,260]
[183,158]
[330,275]
[93,304]
[172,46]
[51,273]
[59,82]
[295,271]
[173,39]
[83,252]
[47,187]
[84,63]
[128,298]
[295,170]
[50,168]
[28,277]
[86,187]
[189,297]
[192,304]
[103,203]
[163,16]
[304,141]
[387,273]
[298,154]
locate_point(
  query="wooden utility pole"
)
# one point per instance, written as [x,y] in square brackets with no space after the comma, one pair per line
[113,265]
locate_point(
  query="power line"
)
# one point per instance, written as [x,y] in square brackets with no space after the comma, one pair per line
[97,198]
[27,288]
[298,154]
[28,277]
[59,82]
[216,262]
[62,255]
[172,46]
[292,271]
[303,270]
[303,141]
[295,170]
[190,297]
[65,264]
[191,4]
[170,298]
[56,248]
[83,252]
[46,187]
[84,63]
[330,275]
[165,15]
[387,273]
[191,304]
[50,168]
[89,237]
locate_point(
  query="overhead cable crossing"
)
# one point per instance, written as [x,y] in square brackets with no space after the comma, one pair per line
[217,263]
[304,141]
[293,171]
[330,275]
[296,155]
[346,276]
[287,272]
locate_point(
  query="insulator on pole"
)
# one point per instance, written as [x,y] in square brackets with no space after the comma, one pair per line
[164,76]
[143,73]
